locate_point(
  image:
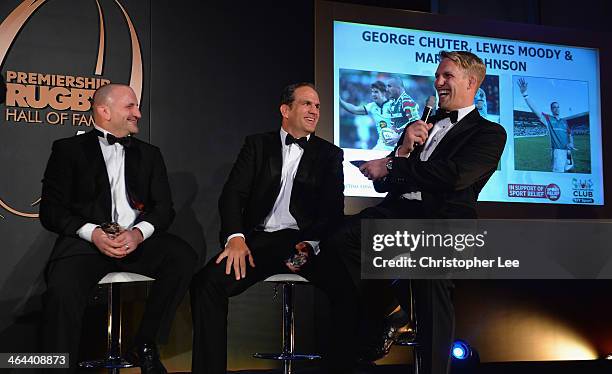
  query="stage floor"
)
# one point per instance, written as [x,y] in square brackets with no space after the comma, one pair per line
[556,367]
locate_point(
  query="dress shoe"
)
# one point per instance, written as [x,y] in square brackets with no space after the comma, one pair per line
[147,357]
[406,336]
[380,347]
[395,328]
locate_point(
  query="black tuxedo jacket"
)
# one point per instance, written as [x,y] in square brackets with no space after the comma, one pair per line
[76,190]
[455,173]
[317,200]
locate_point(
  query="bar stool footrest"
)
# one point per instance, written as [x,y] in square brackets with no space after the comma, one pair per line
[407,343]
[108,363]
[287,357]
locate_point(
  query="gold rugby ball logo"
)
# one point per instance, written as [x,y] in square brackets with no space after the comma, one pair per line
[58,91]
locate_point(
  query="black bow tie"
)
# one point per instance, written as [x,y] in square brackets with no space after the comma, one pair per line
[302,142]
[441,114]
[126,141]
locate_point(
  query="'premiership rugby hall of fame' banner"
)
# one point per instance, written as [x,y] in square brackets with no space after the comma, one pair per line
[54,55]
[524,81]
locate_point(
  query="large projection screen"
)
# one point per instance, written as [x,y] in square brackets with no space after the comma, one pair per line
[361,48]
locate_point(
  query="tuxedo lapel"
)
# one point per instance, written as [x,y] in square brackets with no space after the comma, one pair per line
[95,160]
[133,160]
[275,161]
[466,123]
[302,175]
[416,152]
[97,169]
[307,161]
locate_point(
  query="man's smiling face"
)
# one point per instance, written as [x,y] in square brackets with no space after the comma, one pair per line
[453,86]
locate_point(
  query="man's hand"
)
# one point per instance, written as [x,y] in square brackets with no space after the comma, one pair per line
[109,247]
[303,250]
[375,169]
[236,252]
[522,85]
[130,239]
[416,134]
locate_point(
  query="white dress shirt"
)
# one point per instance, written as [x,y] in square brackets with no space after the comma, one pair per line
[121,211]
[438,131]
[280,217]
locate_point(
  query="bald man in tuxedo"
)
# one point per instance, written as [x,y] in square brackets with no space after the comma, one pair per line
[107,175]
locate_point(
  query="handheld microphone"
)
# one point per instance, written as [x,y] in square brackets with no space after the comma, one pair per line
[431,102]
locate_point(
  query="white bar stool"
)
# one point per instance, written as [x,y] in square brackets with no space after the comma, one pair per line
[288,354]
[113,361]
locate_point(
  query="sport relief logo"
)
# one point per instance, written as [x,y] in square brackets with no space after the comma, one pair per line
[582,191]
[535,191]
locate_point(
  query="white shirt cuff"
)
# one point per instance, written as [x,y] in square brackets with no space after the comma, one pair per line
[315,245]
[238,234]
[398,155]
[145,228]
[86,230]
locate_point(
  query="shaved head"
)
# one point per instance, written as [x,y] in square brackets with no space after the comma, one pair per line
[115,109]
[395,86]
[399,82]
[104,93]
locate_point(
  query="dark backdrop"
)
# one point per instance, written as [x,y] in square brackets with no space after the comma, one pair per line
[216,71]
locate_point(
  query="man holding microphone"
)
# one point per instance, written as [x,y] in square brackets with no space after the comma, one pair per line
[436,171]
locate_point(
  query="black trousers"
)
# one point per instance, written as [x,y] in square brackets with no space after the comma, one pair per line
[211,289]
[433,298]
[70,281]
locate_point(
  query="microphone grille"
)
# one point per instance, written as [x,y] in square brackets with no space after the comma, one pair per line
[431,101]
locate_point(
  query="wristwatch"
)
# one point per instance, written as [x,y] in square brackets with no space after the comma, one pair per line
[390,164]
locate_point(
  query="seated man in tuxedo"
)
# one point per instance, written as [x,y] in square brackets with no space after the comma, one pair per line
[284,193]
[436,171]
[108,176]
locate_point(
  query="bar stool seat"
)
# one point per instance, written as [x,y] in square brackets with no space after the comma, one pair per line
[113,360]
[288,355]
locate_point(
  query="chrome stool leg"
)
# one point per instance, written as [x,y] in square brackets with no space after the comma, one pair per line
[413,319]
[288,327]
[288,354]
[113,361]
[114,343]
[416,354]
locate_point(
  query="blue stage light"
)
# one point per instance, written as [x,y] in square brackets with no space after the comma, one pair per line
[461,350]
